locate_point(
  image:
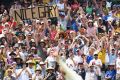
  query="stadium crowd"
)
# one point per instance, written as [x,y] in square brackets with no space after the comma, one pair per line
[86,36]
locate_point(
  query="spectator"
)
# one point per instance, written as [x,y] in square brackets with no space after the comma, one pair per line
[112,57]
[30,70]
[91,74]
[81,70]
[110,73]
[50,74]
[97,66]
[118,66]
[37,75]
[9,76]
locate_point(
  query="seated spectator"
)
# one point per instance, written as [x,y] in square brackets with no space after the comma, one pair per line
[81,70]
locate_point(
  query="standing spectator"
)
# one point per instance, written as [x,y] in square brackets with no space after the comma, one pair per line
[97,66]
[43,69]
[112,57]
[63,19]
[70,62]
[110,73]
[81,70]
[90,56]
[50,74]
[30,69]
[118,66]
[37,75]
[51,59]
[90,74]
[89,8]
[21,73]
[77,58]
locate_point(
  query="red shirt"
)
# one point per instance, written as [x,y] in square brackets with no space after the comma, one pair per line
[53,34]
[1,27]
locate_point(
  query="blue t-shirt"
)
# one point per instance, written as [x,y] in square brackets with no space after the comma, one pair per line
[110,74]
[74,25]
[89,58]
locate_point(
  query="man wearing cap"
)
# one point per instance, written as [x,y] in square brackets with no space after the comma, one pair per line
[111,72]
[30,69]
[97,66]
[43,69]
[37,75]
[50,74]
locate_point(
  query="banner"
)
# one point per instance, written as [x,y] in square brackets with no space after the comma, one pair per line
[35,12]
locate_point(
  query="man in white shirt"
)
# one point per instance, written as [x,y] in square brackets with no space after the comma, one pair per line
[30,69]
[97,63]
[77,58]
[118,67]
[51,60]
[90,74]
[70,62]
[37,75]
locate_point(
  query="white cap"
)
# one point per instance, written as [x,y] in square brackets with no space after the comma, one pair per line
[2,35]
[41,63]
[42,40]
[33,48]
[20,41]
[37,21]
[2,46]
[118,51]
[26,24]
[50,68]
[32,40]
[49,20]
[99,18]
[42,22]
[7,24]
[71,31]
[14,63]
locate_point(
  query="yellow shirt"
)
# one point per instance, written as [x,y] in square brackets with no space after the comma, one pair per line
[101,55]
[105,10]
